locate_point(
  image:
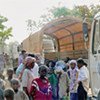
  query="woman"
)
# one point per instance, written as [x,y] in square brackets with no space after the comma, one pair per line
[28,75]
[41,88]
[73,80]
[53,79]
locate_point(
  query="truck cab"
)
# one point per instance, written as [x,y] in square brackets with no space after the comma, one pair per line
[94,57]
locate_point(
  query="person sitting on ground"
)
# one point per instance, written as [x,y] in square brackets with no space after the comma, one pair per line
[9,94]
[41,88]
[18,94]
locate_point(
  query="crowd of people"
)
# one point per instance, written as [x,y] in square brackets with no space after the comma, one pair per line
[53,80]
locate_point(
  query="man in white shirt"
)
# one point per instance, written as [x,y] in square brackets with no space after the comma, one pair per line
[83,80]
[35,70]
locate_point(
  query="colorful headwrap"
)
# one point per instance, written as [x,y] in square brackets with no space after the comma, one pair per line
[29,60]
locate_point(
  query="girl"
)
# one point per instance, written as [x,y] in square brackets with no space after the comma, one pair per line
[41,88]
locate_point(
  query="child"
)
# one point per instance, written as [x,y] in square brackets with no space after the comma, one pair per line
[9,94]
[40,88]
[18,94]
[10,73]
[73,80]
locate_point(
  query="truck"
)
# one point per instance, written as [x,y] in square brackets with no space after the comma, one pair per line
[33,44]
[94,55]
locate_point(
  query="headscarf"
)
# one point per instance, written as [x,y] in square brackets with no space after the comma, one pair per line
[61,64]
[29,60]
[59,69]
[73,61]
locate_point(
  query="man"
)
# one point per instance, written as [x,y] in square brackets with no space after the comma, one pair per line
[35,69]
[83,80]
[21,57]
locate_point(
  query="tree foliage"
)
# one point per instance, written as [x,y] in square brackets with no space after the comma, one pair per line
[5,32]
[85,11]
[58,12]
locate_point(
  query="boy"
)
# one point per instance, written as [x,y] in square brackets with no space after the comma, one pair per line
[9,94]
[18,94]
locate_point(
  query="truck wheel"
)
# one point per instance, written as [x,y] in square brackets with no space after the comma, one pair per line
[98,98]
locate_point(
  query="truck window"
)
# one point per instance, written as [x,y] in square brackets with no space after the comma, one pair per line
[96,37]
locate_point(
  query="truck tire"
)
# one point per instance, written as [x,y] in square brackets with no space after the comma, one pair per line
[98,98]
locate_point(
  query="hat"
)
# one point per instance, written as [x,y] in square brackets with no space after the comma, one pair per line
[80,61]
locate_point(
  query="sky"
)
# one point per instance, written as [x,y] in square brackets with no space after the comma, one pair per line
[19,11]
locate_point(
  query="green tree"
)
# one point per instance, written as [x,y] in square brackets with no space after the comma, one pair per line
[58,12]
[5,32]
[85,11]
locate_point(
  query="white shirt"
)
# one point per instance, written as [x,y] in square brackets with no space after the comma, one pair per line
[27,79]
[84,77]
[20,95]
[35,70]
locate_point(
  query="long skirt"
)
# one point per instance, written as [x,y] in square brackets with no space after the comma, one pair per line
[82,94]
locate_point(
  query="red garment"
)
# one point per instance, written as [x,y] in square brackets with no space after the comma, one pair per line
[41,90]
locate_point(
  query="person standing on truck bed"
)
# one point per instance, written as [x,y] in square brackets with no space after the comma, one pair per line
[83,80]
